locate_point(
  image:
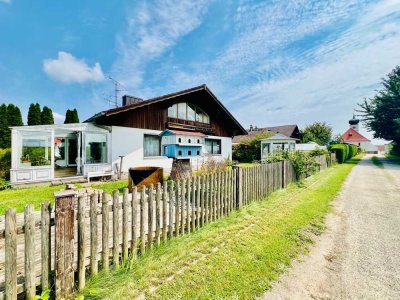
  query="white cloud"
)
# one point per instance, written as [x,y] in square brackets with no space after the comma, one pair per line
[5,1]
[152,29]
[58,118]
[68,69]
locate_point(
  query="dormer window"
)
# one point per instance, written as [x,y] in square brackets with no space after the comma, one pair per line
[189,112]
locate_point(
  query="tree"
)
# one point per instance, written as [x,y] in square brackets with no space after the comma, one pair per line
[381,113]
[337,139]
[71,116]
[14,115]
[318,132]
[5,135]
[34,113]
[46,116]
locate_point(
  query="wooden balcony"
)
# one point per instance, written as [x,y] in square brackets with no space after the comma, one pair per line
[174,123]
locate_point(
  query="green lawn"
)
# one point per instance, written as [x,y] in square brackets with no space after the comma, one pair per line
[236,257]
[20,197]
[394,158]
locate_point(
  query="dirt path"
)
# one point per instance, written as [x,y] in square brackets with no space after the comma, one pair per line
[358,257]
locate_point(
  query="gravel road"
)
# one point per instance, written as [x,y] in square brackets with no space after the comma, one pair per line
[358,257]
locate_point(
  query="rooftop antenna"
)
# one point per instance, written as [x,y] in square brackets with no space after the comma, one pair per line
[117,89]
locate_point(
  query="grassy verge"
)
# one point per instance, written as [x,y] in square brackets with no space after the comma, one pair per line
[236,257]
[394,158]
[18,198]
[376,161]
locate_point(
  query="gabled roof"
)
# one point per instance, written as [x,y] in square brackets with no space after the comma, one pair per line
[287,130]
[278,136]
[136,105]
[352,135]
[181,132]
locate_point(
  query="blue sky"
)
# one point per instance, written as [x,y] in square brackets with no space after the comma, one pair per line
[269,62]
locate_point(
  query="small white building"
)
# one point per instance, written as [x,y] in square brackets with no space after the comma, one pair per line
[133,131]
[277,142]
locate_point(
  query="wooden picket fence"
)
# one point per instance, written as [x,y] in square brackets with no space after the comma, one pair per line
[91,230]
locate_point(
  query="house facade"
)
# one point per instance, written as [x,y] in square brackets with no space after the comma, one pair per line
[128,136]
[354,137]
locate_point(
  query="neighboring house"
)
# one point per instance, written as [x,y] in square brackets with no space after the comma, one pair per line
[277,142]
[132,131]
[354,137]
[291,131]
[310,146]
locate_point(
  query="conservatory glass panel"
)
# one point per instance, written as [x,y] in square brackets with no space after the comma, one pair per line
[96,148]
[34,149]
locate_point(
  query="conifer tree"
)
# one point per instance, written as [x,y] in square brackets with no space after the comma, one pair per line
[14,115]
[46,116]
[34,113]
[4,130]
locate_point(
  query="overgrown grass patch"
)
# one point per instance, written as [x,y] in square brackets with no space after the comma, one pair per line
[238,256]
[20,197]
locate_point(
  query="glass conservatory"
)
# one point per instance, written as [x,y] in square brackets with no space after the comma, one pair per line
[277,142]
[48,152]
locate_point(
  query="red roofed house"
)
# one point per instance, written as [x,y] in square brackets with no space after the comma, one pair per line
[352,136]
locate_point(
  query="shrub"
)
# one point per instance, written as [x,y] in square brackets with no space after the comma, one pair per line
[211,165]
[343,151]
[249,150]
[303,162]
[5,163]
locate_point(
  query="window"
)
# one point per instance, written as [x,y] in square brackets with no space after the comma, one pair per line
[189,153]
[35,149]
[189,141]
[198,141]
[180,153]
[191,112]
[179,140]
[213,146]
[96,148]
[187,111]
[198,152]
[152,145]
[182,111]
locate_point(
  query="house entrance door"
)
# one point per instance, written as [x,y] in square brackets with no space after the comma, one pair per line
[72,151]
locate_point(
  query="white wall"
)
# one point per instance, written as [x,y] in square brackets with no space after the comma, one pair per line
[129,142]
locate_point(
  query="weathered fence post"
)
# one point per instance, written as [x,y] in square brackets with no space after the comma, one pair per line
[64,242]
[81,242]
[46,245]
[238,186]
[93,233]
[105,229]
[11,254]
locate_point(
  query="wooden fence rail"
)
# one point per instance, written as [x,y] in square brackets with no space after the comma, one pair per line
[90,230]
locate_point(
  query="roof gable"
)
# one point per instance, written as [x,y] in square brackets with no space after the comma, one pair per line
[291,131]
[352,135]
[212,104]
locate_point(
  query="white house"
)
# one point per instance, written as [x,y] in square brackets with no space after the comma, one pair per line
[131,132]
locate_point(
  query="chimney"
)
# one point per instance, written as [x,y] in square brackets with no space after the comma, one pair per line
[128,100]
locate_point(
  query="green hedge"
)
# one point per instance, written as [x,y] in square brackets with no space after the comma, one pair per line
[5,163]
[343,151]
